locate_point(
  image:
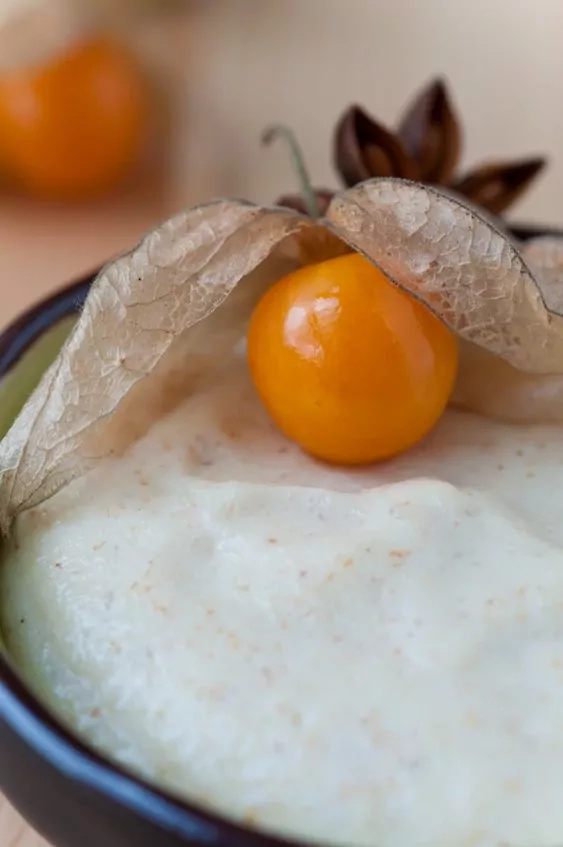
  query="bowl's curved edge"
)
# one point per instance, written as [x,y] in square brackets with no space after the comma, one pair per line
[42,761]
[29,729]
[31,324]
[526,231]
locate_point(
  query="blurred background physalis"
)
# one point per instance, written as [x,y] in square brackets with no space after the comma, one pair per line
[75,104]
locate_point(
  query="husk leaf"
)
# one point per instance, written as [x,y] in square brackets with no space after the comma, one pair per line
[159,317]
[90,403]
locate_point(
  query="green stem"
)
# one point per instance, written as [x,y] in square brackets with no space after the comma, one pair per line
[298,160]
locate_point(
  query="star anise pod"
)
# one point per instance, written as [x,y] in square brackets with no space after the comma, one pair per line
[426,147]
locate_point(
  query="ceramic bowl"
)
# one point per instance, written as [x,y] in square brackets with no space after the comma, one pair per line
[68,792]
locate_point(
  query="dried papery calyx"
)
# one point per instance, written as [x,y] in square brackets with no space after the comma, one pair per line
[157,318]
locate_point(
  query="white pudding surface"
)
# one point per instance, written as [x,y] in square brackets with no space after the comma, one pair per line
[369,657]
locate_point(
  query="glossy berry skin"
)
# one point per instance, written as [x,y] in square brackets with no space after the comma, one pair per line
[347,365]
[72,128]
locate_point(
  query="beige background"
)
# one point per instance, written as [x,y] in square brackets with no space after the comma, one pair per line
[236,65]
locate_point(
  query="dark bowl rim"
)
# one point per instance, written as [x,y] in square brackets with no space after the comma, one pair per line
[22,711]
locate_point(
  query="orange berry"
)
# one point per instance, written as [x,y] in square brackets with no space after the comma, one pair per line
[347,365]
[73,127]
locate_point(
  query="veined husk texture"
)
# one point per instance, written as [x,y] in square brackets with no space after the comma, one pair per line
[157,318]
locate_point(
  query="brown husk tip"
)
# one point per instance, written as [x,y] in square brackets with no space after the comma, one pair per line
[159,317]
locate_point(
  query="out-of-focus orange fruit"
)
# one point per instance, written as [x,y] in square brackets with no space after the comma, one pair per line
[349,366]
[75,126]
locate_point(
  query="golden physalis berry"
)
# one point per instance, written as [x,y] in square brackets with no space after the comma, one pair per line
[347,365]
[73,127]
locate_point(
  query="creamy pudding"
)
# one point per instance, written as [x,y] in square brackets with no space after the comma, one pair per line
[365,648]
[368,656]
